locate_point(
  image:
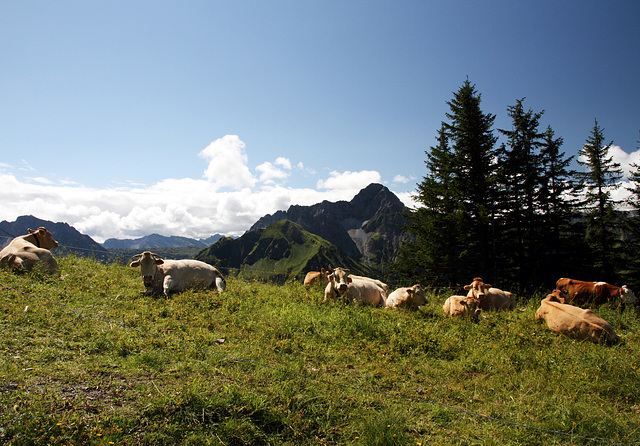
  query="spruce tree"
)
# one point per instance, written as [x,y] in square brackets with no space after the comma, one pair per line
[520,178]
[631,271]
[452,226]
[602,177]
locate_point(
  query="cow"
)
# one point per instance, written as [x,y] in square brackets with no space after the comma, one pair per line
[381,284]
[462,306]
[490,298]
[411,298]
[580,292]
[573,321]
[32,250]
[172,276]
[314,277]
[353,290]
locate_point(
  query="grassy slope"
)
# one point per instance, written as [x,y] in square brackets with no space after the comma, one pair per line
[164,378]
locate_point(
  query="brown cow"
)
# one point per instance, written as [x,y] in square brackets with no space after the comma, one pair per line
[32,250]
[353,290]
[574,321]
[490,298]
[411,298]
[313,277]
[462,306]
[597,293]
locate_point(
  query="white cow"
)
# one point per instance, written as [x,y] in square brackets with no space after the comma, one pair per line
[32,250]
[353,290]
[172,276]
[411,297]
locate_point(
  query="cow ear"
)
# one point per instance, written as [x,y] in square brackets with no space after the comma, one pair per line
[467,287]
[323,271]
[31,231]
[348,279]
[487,285]
[410,291]
[159,261]
[135,264]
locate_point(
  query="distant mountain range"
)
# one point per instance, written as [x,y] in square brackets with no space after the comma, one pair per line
[362,235]
[282,251]
[70,241]
[368,228]
[154,241]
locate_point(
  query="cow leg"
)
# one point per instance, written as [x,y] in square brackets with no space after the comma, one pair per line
[167,285]
[220,284]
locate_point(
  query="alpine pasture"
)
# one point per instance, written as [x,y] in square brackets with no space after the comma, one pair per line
[87,359]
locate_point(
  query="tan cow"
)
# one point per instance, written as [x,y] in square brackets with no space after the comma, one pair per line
[32,250]
[353,290]
[314,277]
[462,306]
[490,298]
[597,293]
[411,298]
[169,276]
[574,321]
[381,284]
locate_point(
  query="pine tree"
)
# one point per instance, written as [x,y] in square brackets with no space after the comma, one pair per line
[452,228]
[561,237]
[632,241]
[520,178]
[602,177]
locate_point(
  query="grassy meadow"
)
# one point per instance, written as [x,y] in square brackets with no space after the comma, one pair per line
[88,359]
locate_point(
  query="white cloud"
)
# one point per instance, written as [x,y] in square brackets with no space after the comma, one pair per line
[269,173]
[187,207]
[623,158]
[227,163]
[349,180]
[402,179]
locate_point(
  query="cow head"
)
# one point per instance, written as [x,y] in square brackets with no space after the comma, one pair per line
[556,296]
[417,295]
[477,289]
[340,280]
[472,308]
[43,238]
[628,296]
[147,261]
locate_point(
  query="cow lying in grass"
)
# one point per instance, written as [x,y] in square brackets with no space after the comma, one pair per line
[32,250]
[456,306]
[573,321]
[359,290]
[172,276]
[411,297]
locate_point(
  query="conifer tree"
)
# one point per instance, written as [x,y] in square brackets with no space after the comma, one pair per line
[520,178]
[602,177]
[632,240]
[561,237]
[452,226]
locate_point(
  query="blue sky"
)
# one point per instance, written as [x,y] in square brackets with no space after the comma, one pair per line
[198,117]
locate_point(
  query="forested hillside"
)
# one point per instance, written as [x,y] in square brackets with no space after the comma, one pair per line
[518,214]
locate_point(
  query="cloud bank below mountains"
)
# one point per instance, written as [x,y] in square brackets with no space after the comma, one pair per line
[228,198]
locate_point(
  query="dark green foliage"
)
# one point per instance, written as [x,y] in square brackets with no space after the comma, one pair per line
[452,227]
[601,178]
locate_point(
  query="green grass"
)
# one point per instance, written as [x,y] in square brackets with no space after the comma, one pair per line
[88,359]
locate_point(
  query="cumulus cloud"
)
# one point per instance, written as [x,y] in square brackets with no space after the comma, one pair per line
[623,158]
[227,163]
[228,199]
[349,180]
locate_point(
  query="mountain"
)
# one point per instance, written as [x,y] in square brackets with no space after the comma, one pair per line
[368,228]
[68,238]
[281,251]
[155,241]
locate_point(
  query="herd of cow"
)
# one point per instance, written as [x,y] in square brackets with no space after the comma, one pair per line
[559,309]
